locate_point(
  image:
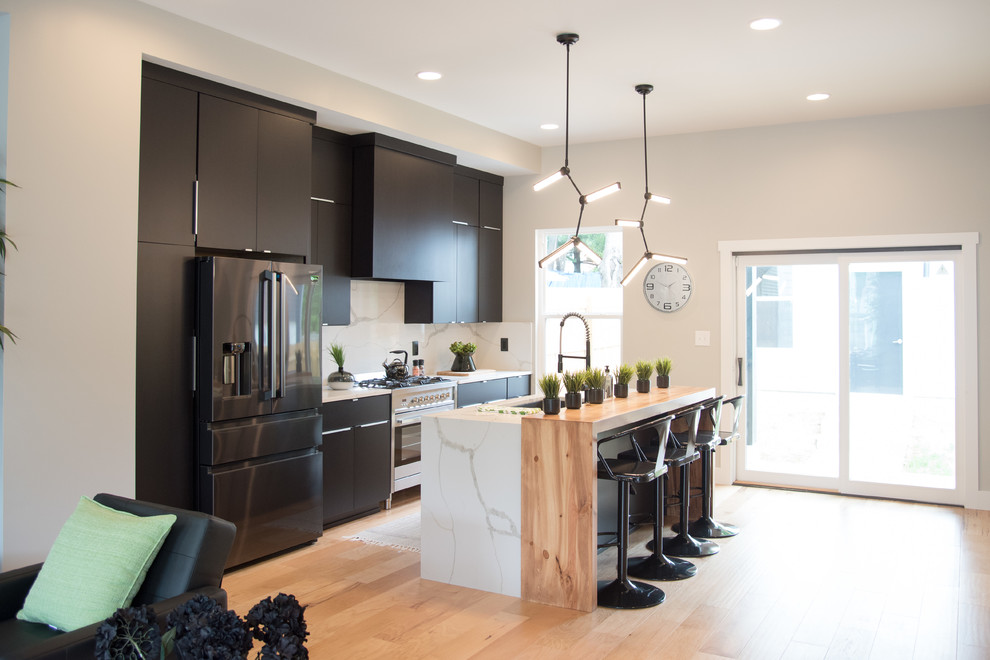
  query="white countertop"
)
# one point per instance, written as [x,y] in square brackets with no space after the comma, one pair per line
[487,375]
[356,392]
[353,393]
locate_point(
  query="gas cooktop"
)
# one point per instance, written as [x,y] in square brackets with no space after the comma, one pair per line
[396,383]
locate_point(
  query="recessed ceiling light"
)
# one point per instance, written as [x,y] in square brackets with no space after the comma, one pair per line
[817,97]
[429,75]
[549,127]
[765,24]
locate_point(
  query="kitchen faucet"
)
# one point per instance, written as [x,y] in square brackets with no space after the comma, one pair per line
[587,343]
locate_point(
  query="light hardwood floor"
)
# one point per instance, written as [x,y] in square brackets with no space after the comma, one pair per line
[810,576]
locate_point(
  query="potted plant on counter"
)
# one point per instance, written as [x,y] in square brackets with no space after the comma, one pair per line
[663,366]
[623,375]
[463,352]
[340,379]
[595,380]
[572,383]
[550,386]
[644,369]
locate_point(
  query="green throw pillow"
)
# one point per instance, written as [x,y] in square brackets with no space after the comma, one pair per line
[96,565]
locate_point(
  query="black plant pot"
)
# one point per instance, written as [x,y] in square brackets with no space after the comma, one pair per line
[643,385]
[621,390]
[663,381]
[572,400]
[463,362]
[551,406]
[595,395]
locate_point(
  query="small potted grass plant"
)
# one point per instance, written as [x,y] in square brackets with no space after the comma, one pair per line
[340,379]
[663,366]
[594,378]
[550,386]
[623,375]
[644,369]
[573,380]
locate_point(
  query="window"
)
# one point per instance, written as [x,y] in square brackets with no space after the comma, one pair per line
[572,284]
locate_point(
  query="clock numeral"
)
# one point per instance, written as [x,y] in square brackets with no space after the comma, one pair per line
[649,286]
[686,287]
[668,268]
[667,306]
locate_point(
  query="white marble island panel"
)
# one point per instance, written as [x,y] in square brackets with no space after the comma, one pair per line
[471,499]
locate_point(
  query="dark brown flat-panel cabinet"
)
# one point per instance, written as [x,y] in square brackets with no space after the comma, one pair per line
[168,163]
[284,156]
[466,284]
[482,391]
[489,275]
[332,250]
[465,200]
[402,211]
[164,457]
[490,204]
[228,175]
[332,167]
[357,457]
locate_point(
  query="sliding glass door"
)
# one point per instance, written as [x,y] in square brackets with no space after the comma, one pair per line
[849,371]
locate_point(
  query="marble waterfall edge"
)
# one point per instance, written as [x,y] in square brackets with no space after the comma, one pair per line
[471,501]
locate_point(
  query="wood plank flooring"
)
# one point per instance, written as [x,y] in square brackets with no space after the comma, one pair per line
[810,576]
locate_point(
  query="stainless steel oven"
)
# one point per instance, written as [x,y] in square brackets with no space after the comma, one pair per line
[412,398]
[408,406]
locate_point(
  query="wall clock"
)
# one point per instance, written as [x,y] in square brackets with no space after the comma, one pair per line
[667,287]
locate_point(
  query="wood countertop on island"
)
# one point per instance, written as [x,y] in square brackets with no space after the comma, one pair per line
[560,492]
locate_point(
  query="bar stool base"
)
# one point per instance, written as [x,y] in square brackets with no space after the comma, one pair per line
[662,568]
[629,595]
[688,546]
[706,528]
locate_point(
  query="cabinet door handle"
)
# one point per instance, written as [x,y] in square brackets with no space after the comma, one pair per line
[323,199]
[492,228]
[364,426]
[458,222]
[195,207]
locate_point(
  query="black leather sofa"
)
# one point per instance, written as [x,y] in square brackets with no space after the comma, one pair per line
[190,562]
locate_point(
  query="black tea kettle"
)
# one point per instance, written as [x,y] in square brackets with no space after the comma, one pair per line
[397,369]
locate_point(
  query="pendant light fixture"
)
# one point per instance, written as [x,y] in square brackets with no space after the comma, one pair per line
[567,40]
[643,90]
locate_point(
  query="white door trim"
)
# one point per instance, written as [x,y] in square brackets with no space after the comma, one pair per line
[967,366]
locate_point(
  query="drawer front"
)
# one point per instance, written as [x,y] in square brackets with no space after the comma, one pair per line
[518,386]
[356,412]
[485,391]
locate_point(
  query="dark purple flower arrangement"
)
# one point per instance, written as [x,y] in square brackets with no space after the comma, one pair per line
[201,629]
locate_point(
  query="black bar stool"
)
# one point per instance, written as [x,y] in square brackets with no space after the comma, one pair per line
[707,527]
[658,566]
[623,593]
[681,452]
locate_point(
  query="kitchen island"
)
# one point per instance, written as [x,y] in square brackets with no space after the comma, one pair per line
[510,502]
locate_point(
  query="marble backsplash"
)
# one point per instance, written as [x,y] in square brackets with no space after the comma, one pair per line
[376,328]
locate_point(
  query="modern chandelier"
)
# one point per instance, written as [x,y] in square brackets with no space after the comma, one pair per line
[649,197]
[568,40]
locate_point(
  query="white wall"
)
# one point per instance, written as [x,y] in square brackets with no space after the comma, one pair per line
[73,126]
[912,173]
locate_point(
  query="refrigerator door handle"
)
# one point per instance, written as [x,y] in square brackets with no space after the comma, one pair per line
[271,341]
[283,333]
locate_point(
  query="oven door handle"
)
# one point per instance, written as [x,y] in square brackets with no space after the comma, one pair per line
[408,421]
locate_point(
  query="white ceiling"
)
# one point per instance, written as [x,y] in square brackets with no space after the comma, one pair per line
[503,68]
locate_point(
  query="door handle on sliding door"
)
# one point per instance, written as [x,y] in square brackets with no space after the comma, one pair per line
[739,372]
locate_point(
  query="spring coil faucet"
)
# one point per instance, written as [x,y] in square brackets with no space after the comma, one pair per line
[587,343]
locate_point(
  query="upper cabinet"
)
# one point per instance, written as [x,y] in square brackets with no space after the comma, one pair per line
[403,200]
[248,184]
[475,293]
[333,166]
[166,196]
[331,221]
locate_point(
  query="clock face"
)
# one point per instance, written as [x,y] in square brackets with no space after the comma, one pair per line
[667,287]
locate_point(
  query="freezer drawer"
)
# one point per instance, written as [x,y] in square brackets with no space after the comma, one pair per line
[276,503]
[254,437]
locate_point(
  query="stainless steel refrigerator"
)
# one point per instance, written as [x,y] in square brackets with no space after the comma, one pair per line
[258,398]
